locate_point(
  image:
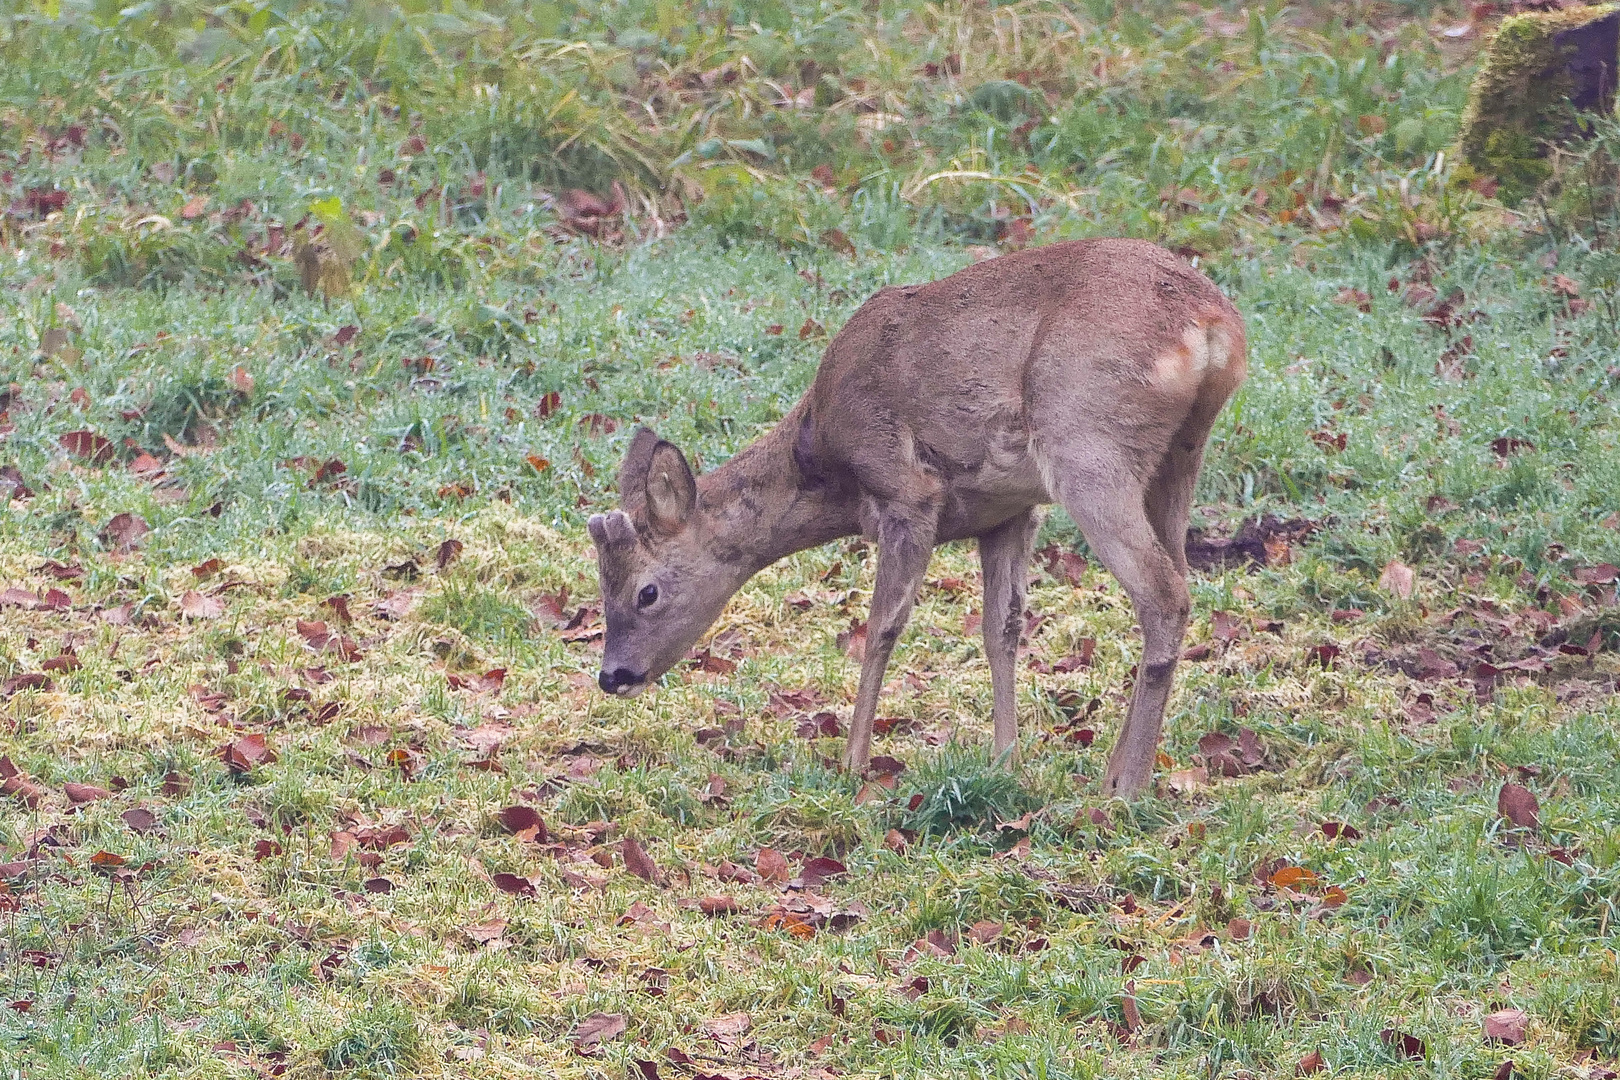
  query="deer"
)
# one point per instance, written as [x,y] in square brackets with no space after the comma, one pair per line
[1087,373]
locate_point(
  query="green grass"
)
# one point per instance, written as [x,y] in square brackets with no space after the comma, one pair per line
[266,922]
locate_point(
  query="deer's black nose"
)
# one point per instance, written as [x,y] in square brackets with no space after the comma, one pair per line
[618,679]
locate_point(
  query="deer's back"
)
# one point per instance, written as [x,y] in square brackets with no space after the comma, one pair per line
[949,374]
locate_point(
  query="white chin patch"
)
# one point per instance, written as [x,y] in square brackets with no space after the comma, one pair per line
[630,691]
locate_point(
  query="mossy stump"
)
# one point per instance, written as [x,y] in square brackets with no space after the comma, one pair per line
[1541,71]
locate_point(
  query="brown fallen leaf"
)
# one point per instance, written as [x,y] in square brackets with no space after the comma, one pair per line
[771,866]
[728,1026]
[1398,579]
[598,1028]
[140,819]
[985,931]
[79,794]
[639,863]
[124,532]
[1506,1026]
[513,885]
[719,905]
[87,446]
[1518,805]
[17,783]
[196,605]
[1407,1045]
[485,933]
[1310,1064]
[247,753]
[19,598]
[818,871]
[524,822]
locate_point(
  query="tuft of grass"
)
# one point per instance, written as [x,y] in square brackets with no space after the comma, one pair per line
[381,1041]
[962,789]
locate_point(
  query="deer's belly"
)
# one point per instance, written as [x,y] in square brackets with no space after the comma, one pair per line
[979,500]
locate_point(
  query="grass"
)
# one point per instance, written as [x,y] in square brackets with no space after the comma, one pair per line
[352,904]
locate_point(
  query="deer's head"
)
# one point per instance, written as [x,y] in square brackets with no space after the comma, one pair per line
[662,584]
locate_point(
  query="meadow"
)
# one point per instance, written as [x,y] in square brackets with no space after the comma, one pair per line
[324,329]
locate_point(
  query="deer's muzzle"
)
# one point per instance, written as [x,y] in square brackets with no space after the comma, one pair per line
[622,682]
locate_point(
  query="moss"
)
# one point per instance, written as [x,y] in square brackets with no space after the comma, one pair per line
[1527,94]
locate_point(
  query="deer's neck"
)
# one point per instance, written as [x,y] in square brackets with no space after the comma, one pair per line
[761,507]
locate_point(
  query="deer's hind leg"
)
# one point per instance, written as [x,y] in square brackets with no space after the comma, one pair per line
[1004,556]
[1109,500]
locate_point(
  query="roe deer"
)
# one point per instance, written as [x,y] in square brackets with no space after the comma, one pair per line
[1086,373]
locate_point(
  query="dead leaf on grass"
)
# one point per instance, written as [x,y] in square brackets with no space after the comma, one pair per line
[639,863]
[1406,1045]
[196,605]
[78,794]
[524,822]
[771,866]
[596,1029]
[1398,579]
[247,753]
[124,532]
[1518,805]
[1506,1026]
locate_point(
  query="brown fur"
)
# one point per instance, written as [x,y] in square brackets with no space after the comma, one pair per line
[1086,373]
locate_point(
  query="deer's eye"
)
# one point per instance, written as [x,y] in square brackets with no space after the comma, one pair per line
[648,596]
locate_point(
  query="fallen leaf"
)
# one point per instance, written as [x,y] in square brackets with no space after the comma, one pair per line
[17,783]
[728,1026]
[84,793]
[124,531]
[1310,1063]
[247,753]
[19,598]
[719,905]
[513,884]
[985,931]
[28,680]
[598,1028]
[524,822]
[1399,579]
[1187,780]
[196,605]
[1289,877]
[1518,805]
[771,866]
[447,553]
[140,819]
[1408,1046]
[485,933]
[88,446]
[816,872]
[639,863]
[1506,1026]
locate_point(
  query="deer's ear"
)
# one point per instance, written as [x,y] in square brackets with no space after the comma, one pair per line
[633,473]
[671,489]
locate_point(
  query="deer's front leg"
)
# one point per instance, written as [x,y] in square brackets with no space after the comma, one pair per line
[904,547]
[1004,557]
